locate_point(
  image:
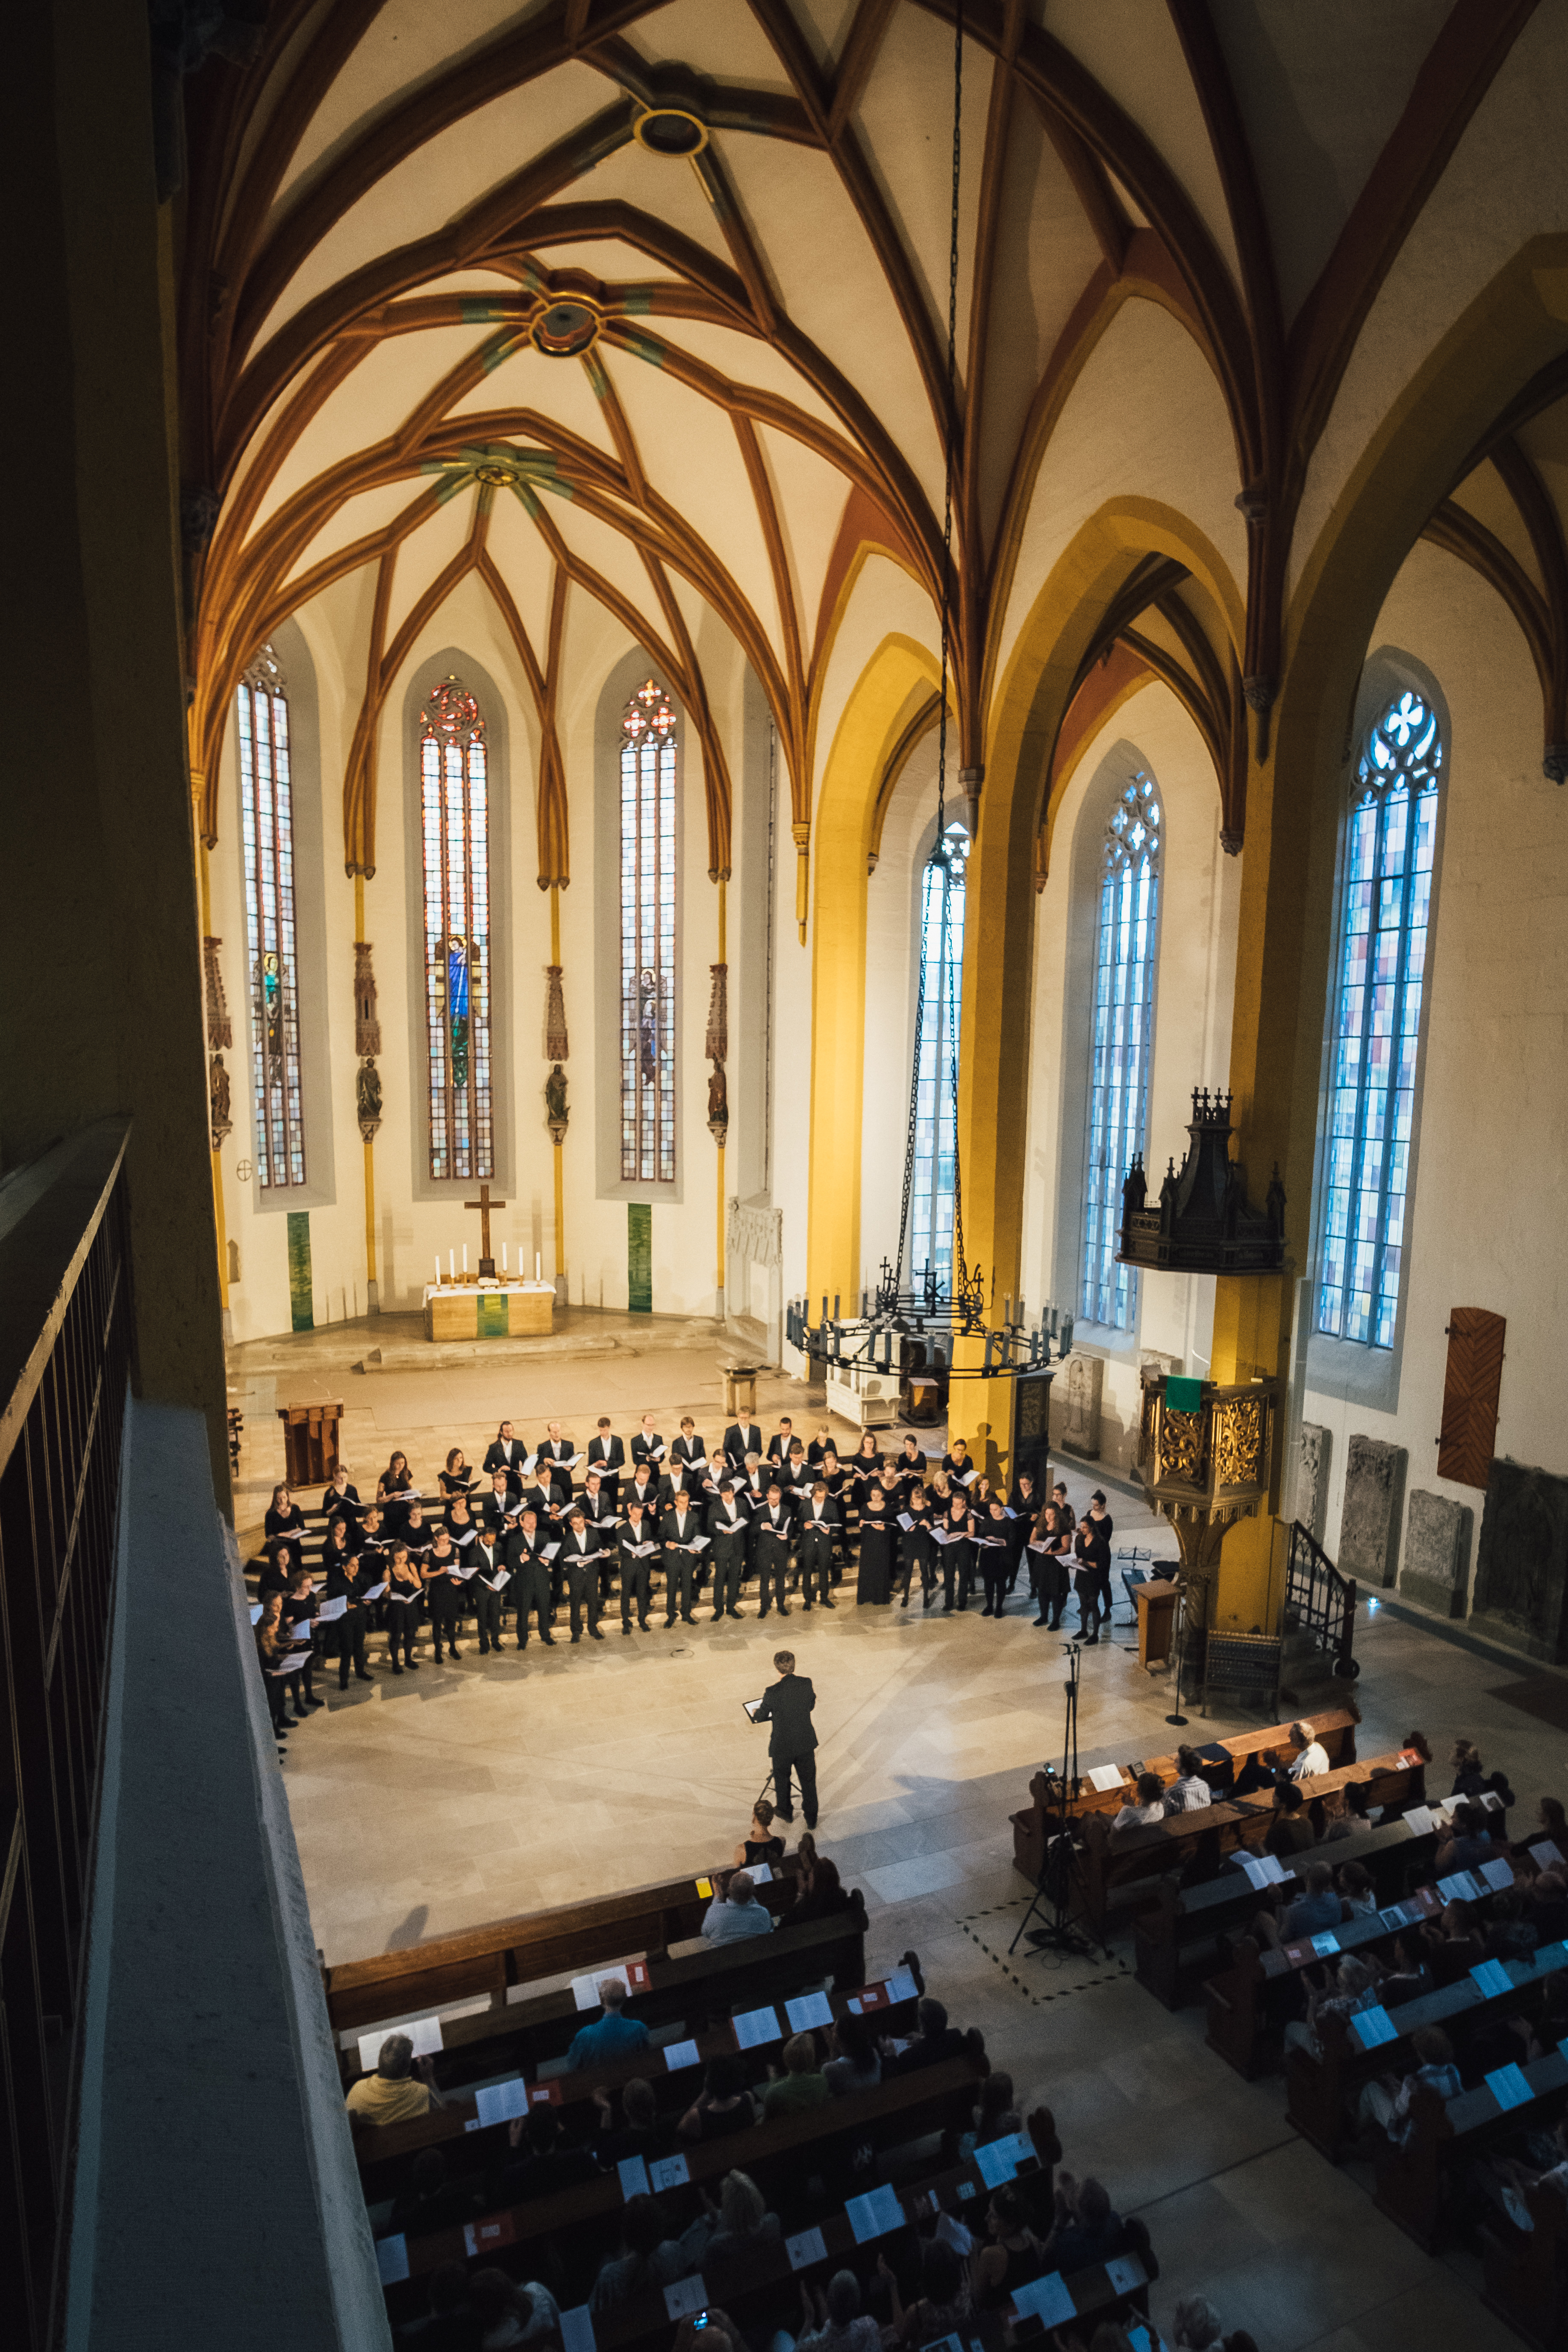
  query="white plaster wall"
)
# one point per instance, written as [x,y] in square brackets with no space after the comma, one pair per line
[1491,1182]
[1200,899]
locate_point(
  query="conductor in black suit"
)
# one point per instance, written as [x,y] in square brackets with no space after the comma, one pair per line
[792,1744]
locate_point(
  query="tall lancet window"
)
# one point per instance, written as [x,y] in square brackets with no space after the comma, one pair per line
[267,821]
[455,824]
[648,938]
[1122,1042]
[936,1049]
[1387,895]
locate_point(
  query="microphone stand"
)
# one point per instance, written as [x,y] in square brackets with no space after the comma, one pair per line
[1181,1641]
[1052,1897]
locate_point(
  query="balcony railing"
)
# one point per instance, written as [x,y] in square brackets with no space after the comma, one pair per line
[64,1355]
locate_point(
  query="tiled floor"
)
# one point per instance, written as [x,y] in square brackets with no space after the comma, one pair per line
[499,1785]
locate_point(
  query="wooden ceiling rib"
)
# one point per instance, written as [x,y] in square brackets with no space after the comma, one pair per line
[268,389]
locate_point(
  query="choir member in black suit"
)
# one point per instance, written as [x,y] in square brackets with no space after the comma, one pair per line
[604,1524]
[394,1482]
[526,1547]
[647,1445]
[645,1488]
[681,1535]
[507,1453]
[347,1576]
[874,1579]
[816,1531]
[442,1592]
[741,1438]
[490,1578]
[553,1457]
[639,1558]
[607,1455]
[952,1539]
[796,1476]
[580,1554]
[772,1538]
[992,1552]
[497,1512]
[457,1478]
[729,1534]
[691,1453]
[780,1442]
[284,1517]
[915,1546]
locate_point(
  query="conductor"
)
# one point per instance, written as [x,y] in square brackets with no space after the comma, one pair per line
[792,1744]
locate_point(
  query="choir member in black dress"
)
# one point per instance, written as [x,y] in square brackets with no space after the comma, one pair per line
[1104,1528]
[457,1478]
[284,1517]
[815,1533]
[272,1649]
[488,1588]
[952,1549]
[773,1537]
[1026,1497]
[1086,1578]
[988,1533]
[394,1483]
[443,1593]
[416,1535]
[879,1539]
[299,1608]
[915,1546]
[607,1455]
[958,1465]
[1048,1552]
[910,1464]
[821,1445]
[506,1453]
[283,1560]
[639,1558]
[460,1522]
[729,1533]
[404,1608]
[348,1573]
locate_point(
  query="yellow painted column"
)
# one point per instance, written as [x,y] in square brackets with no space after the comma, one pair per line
[560,1170]
[370,1148]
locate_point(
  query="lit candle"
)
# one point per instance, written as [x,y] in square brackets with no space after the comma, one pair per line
[536,1265]
[504,1258]
[438,1266]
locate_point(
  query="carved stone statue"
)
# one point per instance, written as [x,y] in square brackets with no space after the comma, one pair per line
[217,1101]
[718,1103]
[367,1099]
[1134,1191]
[555,1110]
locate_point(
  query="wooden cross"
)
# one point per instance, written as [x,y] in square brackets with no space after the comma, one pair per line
[484,1204]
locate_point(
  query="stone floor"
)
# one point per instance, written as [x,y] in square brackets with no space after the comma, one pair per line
[460,1795]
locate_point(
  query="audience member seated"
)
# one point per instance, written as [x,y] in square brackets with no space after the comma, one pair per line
[547,2162]
[943,2306]
[611,2033]
[451,2323]
[1150,1807]
[1385,2102]
[1354,1883]
[835,2322]
[724,2105]
[1548,1901]
[1086,2230]
[1196,2326]
[1189,1792]
[431,2201]
[1549,1824]
[995,2117]
[1291,1830]
[649,2259]
[824,1898]
[800,2085]
[1509,1935]
[1310,1914]
[401,2087]
[1308,1756]
[1011,2256]
[1356,1986]
[741,2224]
[509,2314]
[735,1913]
[935,2040]
[642,2130]
[760,1843]
[1466,1845]
[1453,1944]
[1472,1780]
[857,2062]
[1409,1973]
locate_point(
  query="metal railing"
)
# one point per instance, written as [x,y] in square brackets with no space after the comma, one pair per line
[65,1357]
[1319,1600]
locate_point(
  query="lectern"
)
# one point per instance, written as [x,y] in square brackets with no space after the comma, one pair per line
[311,1439]
[1156,1620]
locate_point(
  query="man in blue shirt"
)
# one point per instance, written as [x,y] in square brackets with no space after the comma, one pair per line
[611,2034]
[735,1915]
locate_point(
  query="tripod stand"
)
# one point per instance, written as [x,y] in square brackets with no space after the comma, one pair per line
[1179,1642]
[1052,1897]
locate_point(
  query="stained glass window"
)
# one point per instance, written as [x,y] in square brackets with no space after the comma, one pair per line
[648,938]
[455,823]
[936,1051]
[267,825]
[1382,963]
[1122,1043]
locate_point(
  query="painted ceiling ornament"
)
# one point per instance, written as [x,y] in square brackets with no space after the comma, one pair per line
[556,1048]
[367,1027]
[717,1046]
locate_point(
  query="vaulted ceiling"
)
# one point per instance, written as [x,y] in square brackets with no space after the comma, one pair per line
[648,304]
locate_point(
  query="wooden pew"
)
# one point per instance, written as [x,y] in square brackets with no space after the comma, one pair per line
[572,1938]
[1527,2271]
[1447,2133]
[1335,1728]
[1243,2002]
[383,2151]
[577,2227]
[698,1989]
[1109,1862]
[1172,1939]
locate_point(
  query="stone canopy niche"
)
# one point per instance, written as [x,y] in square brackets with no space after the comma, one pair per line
[1521,1571]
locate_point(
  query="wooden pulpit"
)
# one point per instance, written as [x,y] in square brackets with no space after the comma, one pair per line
[1156,1620]
[311,1439]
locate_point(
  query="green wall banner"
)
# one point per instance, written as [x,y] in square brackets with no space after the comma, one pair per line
[639,1256]
[304,1313]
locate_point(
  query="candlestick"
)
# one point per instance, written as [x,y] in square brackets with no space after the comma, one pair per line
[451,1268]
